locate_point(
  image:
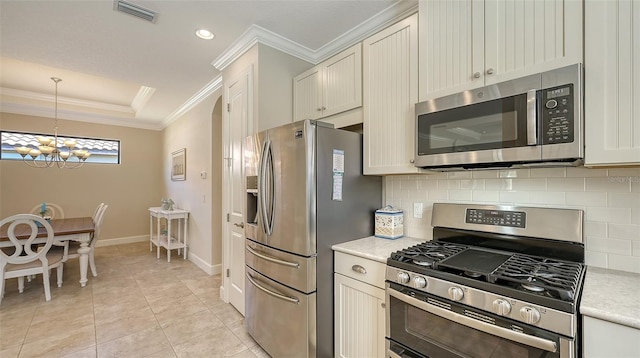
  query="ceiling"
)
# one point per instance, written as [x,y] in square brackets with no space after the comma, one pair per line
[119,69]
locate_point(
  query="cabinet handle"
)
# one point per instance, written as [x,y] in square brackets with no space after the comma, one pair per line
[324,108]
[241,225]
[319,109]
[476,75]
[383,305]
[490,71]
[359,269]
[412,161]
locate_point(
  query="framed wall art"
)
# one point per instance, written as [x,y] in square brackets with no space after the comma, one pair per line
[179,164]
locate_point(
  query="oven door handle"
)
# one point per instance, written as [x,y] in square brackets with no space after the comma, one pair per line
[526,339]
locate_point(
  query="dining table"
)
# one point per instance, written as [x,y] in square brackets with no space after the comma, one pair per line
[69,229]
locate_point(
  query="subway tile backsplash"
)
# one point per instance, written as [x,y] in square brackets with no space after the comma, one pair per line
[610,199]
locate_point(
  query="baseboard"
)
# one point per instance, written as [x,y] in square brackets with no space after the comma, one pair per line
[205,266]
[122,240]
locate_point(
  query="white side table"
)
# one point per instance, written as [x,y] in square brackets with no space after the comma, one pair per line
[168,242]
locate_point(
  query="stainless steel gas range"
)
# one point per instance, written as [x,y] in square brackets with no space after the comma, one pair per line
[495,281]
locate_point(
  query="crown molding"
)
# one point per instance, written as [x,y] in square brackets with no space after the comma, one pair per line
[142,97]
[213,85]
[79,116]
[389,16]
[256,34]
[34,96]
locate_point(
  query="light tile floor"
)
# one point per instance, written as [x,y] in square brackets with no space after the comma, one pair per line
[138,306]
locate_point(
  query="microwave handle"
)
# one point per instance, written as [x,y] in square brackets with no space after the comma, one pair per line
[532,123]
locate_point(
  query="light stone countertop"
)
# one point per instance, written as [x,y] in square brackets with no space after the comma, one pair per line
[611,295]
[375,248]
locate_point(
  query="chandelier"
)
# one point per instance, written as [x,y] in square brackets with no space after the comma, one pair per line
[54,151]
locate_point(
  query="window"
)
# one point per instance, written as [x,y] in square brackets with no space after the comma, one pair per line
[102,150]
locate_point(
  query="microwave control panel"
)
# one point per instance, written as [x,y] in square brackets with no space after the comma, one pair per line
[557,115]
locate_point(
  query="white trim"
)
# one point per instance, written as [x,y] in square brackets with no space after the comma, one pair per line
[122,240]
[205,266]
[35,96]
[213,85]
[142,97]
[394,13]
[38,111]
[202,264]
[256,34]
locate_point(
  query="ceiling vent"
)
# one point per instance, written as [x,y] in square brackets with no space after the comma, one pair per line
[135,10]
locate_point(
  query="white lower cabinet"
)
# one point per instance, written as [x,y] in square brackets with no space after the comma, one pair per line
[602,339]
[359,307]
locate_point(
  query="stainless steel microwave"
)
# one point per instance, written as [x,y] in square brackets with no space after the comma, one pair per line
[527,122]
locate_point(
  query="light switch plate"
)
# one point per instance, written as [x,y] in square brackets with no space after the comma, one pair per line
[417,210]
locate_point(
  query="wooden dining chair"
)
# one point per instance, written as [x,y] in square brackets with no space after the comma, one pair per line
[72,251]
[20,259]
[95,213]
[52,211]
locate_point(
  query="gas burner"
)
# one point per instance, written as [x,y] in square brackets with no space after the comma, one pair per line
[472,274]
[531,287]
[423,262]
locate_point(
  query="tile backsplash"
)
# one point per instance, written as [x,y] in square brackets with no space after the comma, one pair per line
[610,199]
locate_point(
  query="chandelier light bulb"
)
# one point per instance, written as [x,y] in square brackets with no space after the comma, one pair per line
[48,147]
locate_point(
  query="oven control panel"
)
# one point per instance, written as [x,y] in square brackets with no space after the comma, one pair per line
[496,217]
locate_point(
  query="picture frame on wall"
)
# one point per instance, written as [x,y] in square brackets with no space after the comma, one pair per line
[179,164]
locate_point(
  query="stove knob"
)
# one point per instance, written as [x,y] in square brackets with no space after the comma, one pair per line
[501,307]
[403,277]
[420,282]
[455,293]
[530,314]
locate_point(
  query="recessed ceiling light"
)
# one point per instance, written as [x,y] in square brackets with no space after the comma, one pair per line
[204,34]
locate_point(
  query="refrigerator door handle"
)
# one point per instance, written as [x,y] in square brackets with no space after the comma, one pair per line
[267,215]
[272,293]
[273,259]
[261,189]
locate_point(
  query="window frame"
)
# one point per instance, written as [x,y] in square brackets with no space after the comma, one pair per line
[93,159]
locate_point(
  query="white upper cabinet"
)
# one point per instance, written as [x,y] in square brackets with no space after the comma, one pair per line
[612,82]
[307,93]
[331,87]
[466,44]
[390,82]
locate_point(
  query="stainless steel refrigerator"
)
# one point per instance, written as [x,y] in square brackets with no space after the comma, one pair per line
[305,193]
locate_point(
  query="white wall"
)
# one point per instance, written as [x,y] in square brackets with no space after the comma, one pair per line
[609,197]
[194,131]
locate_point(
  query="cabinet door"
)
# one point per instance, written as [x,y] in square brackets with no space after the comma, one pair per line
[451,46]
[359,318]
[342,78]
[527,37]
[612,82]
[307,94]
[390,81]
[604,339]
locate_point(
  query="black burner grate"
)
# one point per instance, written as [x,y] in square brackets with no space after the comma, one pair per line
[538,274]
[426,253]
